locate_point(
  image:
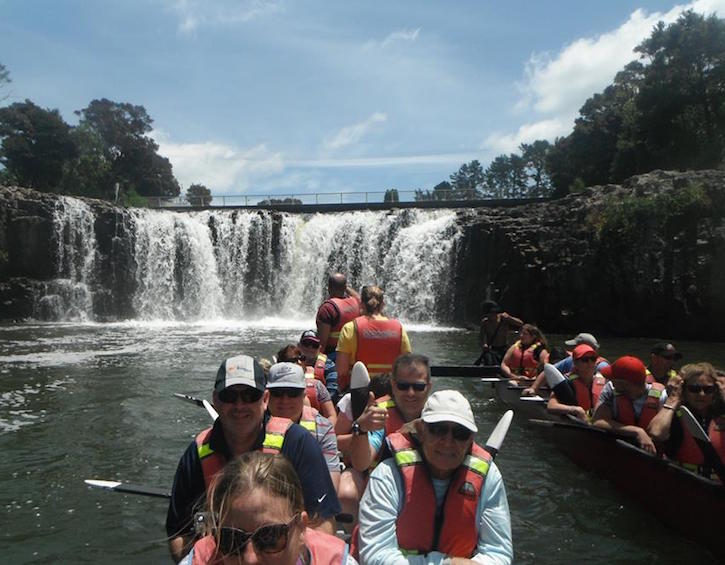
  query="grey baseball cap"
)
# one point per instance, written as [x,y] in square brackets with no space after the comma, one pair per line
[286,375]
[589,339]
[240,370]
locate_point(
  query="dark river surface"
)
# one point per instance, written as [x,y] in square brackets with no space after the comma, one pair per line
[95,401]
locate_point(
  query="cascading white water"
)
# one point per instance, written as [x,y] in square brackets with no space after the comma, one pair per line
[69,295]
[237,264]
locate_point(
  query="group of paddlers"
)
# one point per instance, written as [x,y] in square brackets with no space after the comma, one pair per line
[265,484]
[627,397]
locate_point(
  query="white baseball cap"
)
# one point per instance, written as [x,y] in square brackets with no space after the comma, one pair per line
[449,406]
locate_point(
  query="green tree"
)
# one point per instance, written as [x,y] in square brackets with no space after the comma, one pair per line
[391,195]
[441,191]
[4,79]
[36,144]
[89,173]
[535,154]
[198,195]
[467,183]
[132,155]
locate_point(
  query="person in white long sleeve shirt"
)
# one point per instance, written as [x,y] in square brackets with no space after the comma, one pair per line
[437,472]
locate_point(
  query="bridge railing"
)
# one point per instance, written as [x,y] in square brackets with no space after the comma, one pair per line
[321,198]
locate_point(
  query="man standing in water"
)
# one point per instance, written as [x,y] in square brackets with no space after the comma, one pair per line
[241,398]
[495,327]
[342,306]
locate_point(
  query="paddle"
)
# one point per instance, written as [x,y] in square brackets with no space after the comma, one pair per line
[203,403]
[129,488]
[359,389]
[703,442]
[465,370]
[559,385]
[494,441]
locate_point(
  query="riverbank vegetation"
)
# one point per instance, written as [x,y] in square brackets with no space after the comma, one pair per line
[664,110]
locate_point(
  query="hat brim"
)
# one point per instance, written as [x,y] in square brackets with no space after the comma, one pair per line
[572,342]
[455,418]
[310,341]
[238,381]
[286,385]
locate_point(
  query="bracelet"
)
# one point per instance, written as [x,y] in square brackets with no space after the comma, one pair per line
[668,407]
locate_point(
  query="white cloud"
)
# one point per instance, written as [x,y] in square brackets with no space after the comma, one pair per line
[222,168]
[194,14]
[398,36]
[556,86]
[354,133]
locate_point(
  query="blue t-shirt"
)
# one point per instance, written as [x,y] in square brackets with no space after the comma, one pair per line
[189,491]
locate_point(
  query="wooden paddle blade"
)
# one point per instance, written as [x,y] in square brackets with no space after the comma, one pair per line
[560,385]
[692,425]
[128,488]
[359,388]
[210,409]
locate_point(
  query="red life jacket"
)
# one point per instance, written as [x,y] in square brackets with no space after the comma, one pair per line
[395,419]
[690,454]
[524,362]
[324,549]
[212,461]
[311,388]
[378,343]
[585,397]
[319,368]
[456,533]
[308,421]
[348,309]
[625,408]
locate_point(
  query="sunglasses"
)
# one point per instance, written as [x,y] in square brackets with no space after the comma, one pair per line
[417,387]
[441,429]
[695,389]
[290,392]
[271,538]
[248,395]
[587,359]
[668,357]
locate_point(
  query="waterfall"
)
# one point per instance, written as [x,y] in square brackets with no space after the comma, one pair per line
[69,295]
[241,264]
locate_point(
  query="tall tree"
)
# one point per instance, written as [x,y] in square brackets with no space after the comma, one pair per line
[468,182]
[36,144]
[534,154]
[4,79]
[133,156]
[198,195]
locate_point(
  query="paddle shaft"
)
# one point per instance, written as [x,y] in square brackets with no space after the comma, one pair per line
[712,458]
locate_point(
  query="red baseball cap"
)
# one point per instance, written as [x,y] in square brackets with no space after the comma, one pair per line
[582,350]
[630,369]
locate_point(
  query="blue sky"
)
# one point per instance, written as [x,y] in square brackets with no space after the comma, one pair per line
[286,96]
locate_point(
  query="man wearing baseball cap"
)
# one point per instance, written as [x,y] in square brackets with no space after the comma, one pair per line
[240,398]
[436,470]
[662,358]
[628,402]
[286,386]
[566,365]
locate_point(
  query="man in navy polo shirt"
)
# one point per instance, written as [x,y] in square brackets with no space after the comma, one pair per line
[240,398]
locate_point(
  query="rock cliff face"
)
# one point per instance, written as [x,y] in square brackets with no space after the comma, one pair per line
[644,258]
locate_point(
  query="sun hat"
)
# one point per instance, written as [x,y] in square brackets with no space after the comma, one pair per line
[666,349]
[239,370]
[448,406]
[583,338]
[286,375]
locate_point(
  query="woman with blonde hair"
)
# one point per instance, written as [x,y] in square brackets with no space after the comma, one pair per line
[372,338]
[695,387]
[255,514]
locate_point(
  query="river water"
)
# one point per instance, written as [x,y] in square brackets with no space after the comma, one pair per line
[90,400]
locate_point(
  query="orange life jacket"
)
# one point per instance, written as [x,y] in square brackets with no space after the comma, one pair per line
[625,407]
[585,397]
[324,548]
[311,387]
[690,454]
[524,362]
[417,530]
[378,343]
[212,461]
[348,309]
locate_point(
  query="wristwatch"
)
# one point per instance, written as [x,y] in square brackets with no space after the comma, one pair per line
[356,429]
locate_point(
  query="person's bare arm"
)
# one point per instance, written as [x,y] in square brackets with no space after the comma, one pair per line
[327,409]
[556,407]
[323,334]
[604,419]
[505,369]
[513,321]
[179,546]
[535,386]
[659,427]
[343,369]
[352,292]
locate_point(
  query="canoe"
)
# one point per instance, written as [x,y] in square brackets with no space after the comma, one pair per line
[699,502]
[465,370]
[527,406]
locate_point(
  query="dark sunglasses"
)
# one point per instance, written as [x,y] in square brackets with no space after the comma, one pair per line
[668,357]
[291,392]
[441,429]
[271,538]
[695,389]
[587,359]
[417,387]
[248,395]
